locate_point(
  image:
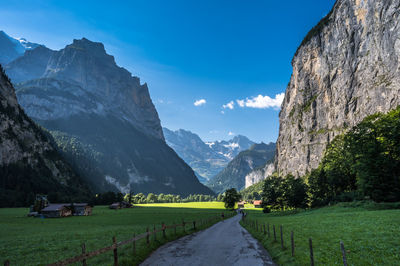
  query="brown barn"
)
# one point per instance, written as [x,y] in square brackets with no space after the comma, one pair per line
[257,203]
[57,210]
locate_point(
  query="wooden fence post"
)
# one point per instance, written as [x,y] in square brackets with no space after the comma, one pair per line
[7,263]
[175,229]
[183,224]
[281,237]
[343,253]
[274,233]
[83,252]
[115,251]
[155,233]
[134,244]
[256,225]
[292,241]
[194,225]
[311,252]
[268,231]
[147,236]
[264,228]
[163,230]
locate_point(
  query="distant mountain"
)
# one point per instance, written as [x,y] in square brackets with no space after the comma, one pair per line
[206,159]
[102,118]
[29,163]
[11,48]
[233,176]
[231,148]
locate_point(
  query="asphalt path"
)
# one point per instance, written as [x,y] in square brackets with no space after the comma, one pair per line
[225,243]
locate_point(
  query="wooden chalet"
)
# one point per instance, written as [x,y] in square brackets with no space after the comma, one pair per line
[257,203]
[56,210]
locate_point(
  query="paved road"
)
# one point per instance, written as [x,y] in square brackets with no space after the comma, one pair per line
[225,243]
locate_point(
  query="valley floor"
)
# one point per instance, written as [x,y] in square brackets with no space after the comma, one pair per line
[370,236]
[34,241]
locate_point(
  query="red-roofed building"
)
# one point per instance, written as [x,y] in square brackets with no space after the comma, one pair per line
[257,203]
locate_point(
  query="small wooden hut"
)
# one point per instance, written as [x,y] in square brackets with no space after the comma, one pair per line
[81,209]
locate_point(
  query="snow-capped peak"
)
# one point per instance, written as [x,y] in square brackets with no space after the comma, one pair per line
[27,45]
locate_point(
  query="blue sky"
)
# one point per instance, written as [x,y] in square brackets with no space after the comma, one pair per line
[221,52]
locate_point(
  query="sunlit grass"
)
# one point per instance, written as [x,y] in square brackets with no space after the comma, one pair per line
[370,237]
[34,241]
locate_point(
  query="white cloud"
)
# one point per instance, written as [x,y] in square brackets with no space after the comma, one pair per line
[240,103]
[222,112]
[231,133]
[229,105]
[200,102]
[262,102]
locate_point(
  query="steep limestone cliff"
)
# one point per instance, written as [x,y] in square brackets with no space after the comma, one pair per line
[346,68]
[259,174]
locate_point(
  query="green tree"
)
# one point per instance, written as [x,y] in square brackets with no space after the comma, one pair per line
[151,198]
[272,194]
[230,198]
[295,193]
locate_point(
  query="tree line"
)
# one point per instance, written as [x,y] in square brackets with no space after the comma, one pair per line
[140,198]
[362,164]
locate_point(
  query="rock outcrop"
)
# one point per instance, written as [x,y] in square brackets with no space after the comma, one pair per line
[346,68]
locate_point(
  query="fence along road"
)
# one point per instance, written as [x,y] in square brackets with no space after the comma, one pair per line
[225,243]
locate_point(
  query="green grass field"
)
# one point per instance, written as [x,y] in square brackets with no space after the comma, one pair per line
[370,237]
[34,241]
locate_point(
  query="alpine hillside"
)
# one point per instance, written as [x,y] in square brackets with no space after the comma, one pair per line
[234,174]
[29,163]
[346,68]
[102,118]
[207,159]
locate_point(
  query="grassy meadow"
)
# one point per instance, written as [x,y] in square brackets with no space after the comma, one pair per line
[370,236]
[34,241]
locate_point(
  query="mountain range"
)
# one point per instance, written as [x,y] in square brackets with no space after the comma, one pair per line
[101,118]
[234,174]
[207,159]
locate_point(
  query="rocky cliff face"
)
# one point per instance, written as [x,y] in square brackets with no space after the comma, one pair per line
[259,174]
[28,161]
[346,68]
[82,78]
